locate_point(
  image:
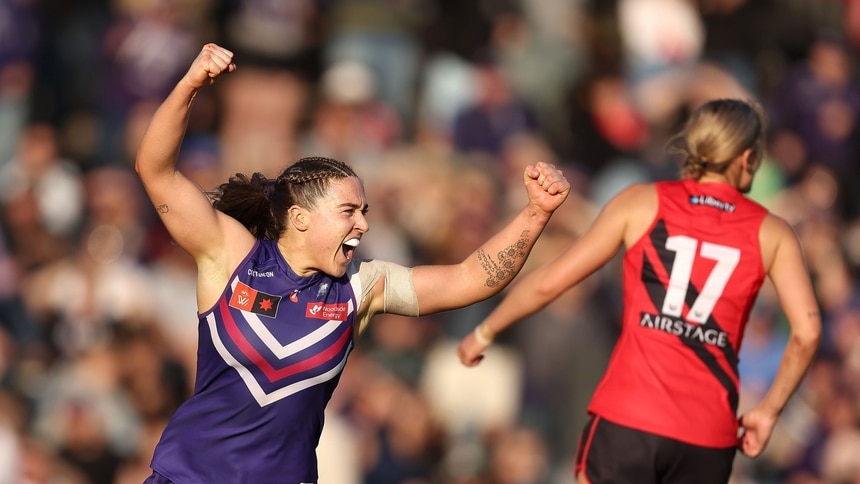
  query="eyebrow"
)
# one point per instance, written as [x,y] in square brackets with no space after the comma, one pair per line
[354,206]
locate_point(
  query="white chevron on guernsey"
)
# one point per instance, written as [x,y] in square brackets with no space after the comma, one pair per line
[283,351]
[251,382]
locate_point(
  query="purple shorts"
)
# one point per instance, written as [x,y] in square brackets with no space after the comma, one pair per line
[156,478]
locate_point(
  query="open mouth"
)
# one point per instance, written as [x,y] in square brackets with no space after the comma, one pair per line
[349,247]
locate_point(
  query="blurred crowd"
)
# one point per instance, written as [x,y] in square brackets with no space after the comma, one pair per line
[438,104]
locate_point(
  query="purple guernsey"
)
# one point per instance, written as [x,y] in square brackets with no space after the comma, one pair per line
[271,352]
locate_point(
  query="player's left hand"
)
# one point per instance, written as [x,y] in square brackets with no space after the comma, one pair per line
[546,186]
[757,426]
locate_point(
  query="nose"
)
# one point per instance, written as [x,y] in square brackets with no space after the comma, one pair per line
[361,223]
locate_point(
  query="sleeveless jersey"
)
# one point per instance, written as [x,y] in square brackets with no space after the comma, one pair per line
[270,354]
[689,285]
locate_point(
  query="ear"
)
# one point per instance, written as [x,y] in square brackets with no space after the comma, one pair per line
[298,218]
[750,160]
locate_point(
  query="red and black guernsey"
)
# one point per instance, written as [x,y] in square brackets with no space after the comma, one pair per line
[689,285]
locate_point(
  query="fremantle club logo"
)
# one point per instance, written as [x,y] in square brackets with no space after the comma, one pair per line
[249,299]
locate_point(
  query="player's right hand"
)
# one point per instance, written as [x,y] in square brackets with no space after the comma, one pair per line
[212,61]
[471,350]
[546,186]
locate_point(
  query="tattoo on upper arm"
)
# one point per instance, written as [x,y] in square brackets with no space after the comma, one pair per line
[507,261]
[162,208]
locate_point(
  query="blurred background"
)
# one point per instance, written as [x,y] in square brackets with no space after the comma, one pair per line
[438,104]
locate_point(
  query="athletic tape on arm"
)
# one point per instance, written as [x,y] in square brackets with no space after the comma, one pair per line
[399,296]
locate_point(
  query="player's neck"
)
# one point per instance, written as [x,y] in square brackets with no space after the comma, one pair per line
[730,177]
[714,178]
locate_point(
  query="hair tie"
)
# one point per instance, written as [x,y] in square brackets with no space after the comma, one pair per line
[268,189]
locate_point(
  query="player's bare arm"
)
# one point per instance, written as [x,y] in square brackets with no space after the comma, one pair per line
[183,208]
[786,267]
[622,216]
[493,265]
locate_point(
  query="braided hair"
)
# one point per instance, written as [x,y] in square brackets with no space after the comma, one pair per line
[261,203]
[716,133]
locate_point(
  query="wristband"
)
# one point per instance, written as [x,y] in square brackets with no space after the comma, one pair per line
[479,335]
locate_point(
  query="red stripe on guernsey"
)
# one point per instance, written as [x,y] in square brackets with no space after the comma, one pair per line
[579,467]
[261,362]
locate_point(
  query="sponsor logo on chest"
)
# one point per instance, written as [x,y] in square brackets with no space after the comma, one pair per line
[321,310]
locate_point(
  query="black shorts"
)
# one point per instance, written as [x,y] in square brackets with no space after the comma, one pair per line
[608,452]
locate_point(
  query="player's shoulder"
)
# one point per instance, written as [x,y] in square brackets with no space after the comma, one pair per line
[636,193]
[633,199]
[365,269]
[371,266]
[777,236]
[775,232]
[369,271]
[776,226]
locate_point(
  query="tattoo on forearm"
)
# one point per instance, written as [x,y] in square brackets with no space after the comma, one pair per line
[162,208]
[508,260]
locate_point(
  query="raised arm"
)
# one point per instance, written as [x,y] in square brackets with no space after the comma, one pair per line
[493,265]
[787,269]
[622,221]
[182,206]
